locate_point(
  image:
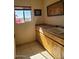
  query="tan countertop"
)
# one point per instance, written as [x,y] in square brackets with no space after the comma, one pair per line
[57,31]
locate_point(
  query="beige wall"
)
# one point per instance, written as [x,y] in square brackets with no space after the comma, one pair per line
[54,20]
[26,32]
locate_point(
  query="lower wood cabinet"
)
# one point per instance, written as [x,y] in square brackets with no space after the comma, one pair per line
[55,49]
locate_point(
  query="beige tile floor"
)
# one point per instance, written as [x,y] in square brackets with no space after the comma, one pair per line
[32,51]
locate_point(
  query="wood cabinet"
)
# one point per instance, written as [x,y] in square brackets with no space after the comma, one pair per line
[55,49]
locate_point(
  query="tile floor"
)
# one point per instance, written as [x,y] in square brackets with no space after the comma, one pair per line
[32,51]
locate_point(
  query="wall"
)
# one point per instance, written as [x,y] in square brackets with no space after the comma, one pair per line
[54,20]
[25,33]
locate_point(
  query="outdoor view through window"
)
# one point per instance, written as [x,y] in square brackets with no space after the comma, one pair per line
[22,16]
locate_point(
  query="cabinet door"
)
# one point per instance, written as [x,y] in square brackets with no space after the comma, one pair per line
[54,49]
[38,37]
[51,46]
[42,39]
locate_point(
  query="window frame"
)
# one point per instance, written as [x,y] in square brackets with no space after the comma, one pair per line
[23,8]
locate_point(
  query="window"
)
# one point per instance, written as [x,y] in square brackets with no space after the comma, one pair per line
[22,15]
[27,15]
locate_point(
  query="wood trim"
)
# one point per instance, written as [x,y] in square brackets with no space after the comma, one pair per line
[22,7]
